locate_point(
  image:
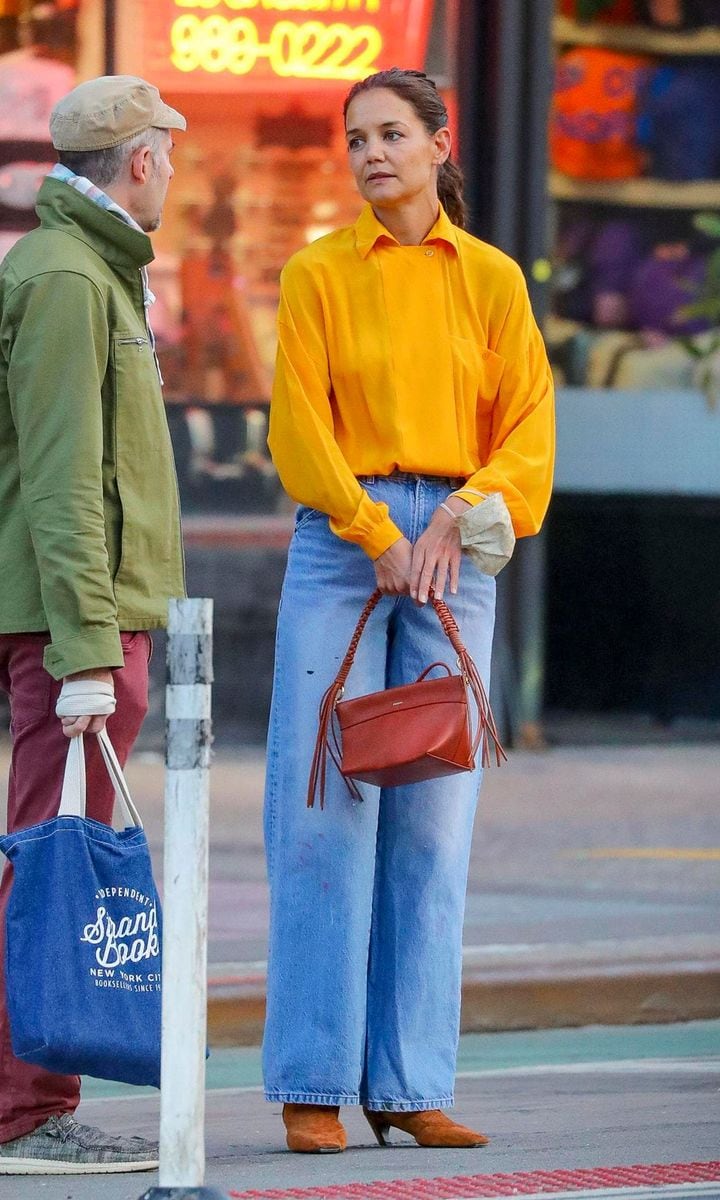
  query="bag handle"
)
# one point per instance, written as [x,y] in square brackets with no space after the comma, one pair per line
[74,787]
[485,732]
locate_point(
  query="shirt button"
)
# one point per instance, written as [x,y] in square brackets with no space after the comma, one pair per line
[429,253]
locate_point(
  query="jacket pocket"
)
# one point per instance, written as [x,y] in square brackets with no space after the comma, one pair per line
[145,472]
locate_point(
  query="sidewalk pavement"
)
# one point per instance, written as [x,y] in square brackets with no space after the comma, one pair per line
[594,893]
[589,1109]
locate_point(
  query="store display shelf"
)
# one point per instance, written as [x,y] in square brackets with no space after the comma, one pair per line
[637,193]
[635,38]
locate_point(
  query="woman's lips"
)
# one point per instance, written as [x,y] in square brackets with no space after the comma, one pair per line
[379,176]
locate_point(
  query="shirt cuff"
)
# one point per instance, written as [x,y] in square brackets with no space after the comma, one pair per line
[372,528]
[375,540]
[487,535]
[93,650]
[382,538]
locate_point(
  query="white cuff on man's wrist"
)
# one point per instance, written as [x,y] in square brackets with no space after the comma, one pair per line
[85,698]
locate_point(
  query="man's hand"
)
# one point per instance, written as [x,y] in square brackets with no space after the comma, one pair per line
[437,554]
[392,569]
[74,725]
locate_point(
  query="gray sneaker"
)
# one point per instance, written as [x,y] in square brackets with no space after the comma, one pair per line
[62,1146]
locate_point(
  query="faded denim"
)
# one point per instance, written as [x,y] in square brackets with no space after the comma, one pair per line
[366,899]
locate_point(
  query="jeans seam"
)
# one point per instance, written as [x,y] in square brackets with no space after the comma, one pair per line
[273,757]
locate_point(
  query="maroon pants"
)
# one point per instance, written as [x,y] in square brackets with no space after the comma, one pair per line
[29,1095]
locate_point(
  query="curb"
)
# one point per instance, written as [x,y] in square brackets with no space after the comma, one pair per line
[646,981]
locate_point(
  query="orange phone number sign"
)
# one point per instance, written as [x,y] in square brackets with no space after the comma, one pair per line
[232,45]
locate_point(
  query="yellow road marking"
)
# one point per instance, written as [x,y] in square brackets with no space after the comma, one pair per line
[669,852]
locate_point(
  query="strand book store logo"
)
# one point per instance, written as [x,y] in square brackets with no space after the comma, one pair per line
[125,941]
[254,45]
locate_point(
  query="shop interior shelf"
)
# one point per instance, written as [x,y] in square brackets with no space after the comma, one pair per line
[636,38]
[637,193]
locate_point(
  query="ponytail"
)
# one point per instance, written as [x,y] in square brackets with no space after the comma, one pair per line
[450,193]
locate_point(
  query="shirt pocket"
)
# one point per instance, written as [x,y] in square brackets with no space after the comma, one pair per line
[477,372]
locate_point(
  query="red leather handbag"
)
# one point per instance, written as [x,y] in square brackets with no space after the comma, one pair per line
[407,734]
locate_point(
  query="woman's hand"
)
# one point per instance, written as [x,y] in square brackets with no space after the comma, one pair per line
[392,569]
[437,553]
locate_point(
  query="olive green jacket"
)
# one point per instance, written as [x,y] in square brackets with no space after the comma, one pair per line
[90,540]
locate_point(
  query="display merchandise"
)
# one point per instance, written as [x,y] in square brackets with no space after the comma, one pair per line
[635,165]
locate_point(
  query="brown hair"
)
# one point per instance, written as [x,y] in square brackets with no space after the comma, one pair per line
[417,90]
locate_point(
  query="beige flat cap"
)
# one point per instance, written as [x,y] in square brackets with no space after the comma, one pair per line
[107,111]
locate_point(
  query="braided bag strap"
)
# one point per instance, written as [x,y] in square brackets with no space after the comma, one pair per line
[327,742]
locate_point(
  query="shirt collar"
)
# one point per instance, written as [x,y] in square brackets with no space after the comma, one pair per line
[368,231]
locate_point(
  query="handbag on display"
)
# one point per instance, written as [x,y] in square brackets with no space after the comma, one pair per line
[408,734]
[83,938]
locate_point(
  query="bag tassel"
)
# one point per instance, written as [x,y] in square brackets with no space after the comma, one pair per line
[324,746]
[487,730]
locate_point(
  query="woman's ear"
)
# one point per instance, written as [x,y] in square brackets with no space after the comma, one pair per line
[443,145]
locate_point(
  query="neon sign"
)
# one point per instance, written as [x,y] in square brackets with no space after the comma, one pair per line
[227,45]
[309,51]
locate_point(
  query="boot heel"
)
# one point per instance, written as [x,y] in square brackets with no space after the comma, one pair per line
[378,1124]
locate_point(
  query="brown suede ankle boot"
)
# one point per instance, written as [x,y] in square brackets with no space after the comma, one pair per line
[429,1127]
[314,1128]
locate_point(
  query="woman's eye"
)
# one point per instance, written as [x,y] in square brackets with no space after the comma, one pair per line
[393,134]
[354,143]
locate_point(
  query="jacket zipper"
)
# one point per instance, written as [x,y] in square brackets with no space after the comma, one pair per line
[133,341]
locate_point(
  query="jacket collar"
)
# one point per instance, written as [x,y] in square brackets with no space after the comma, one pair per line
[368,231]
[62,207]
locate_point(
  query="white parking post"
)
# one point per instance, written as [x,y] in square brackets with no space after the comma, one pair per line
[185,904]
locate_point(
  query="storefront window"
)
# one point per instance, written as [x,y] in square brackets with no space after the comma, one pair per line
[635,154]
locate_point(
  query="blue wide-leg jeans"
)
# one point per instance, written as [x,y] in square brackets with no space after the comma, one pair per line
[366,898]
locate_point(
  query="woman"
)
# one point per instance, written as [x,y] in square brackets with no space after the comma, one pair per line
[411,381]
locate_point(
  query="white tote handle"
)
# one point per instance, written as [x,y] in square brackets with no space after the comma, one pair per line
[72,798]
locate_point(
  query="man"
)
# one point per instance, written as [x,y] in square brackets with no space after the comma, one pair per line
[90,546]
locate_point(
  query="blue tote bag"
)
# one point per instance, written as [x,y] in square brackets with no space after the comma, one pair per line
[83,938]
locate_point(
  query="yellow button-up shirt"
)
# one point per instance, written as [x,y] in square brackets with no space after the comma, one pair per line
[423,359]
